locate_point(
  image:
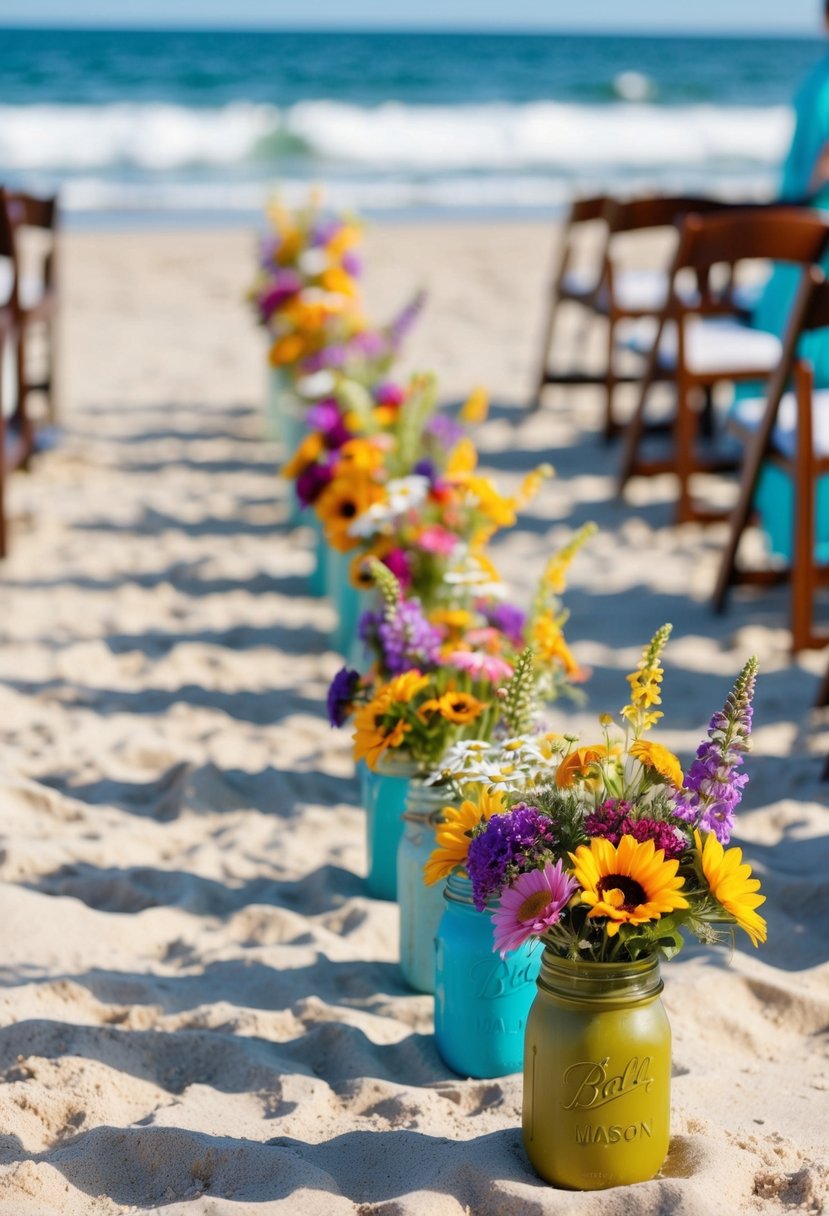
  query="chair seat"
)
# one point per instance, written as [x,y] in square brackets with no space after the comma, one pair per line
[713,346]
[643,291]
[29,288]
[578,284]
[747,415]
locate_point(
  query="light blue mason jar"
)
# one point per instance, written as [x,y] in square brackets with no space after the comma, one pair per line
[386,790]
[421,907]
[348,603]
[316,579]
[481,1000]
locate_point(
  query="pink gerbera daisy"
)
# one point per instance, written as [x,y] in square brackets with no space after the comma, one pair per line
[481,666]
[532,904]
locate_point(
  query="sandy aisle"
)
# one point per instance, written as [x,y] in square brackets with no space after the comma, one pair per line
[200,1006]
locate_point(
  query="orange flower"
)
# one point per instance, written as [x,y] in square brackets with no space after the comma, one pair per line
[577,765]
[308,451]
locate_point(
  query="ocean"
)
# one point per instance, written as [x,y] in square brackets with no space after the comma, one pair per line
[143,126]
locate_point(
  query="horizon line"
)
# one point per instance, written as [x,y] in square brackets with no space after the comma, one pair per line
[371,28]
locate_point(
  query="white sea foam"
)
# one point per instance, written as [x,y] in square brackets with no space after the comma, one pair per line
[155,137]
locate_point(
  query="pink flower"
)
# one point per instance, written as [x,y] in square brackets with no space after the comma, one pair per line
[531,905]
[435,539]
[481,666]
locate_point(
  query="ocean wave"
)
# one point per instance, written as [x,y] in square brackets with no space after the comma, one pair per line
[155,137]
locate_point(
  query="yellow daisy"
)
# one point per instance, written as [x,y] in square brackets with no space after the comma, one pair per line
[629,883]
[658,758]
[454,834]
[731,884]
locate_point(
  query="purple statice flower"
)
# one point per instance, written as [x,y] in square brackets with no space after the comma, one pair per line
[713,788]
[311,482]
[370,344]
[283,285]
[508,620]
[407,639]
[334,355]
[445,430]
[325,228]
[613,820]
[388,393]
[351,264]
[425,468]
[341,695]
[512,843]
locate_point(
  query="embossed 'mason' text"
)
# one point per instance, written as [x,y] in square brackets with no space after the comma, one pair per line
[613,1133]
[590,1085]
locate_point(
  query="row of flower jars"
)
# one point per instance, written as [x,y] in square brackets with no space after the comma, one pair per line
[597,1073]
[482,1001]
[421,906]
[385,790]
[348,601]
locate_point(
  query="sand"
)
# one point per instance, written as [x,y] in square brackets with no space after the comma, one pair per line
[200,1006]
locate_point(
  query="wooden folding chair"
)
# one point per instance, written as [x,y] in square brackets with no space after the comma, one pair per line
[15,429]
[789,429]
[32,294]
[571,285]
[699,344]
[616,292]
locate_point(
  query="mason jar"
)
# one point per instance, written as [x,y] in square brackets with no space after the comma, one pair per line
[385,790]
[349,602]
[421,906]
[597,1073]
[481,1000]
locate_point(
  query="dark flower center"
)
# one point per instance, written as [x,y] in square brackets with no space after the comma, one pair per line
[633,894]
[348,510]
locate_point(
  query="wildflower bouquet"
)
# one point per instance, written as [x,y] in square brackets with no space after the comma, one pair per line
[306,288]
[455,673]
[607,849]
[405,488]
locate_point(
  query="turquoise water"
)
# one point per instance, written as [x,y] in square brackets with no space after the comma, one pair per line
[181,123]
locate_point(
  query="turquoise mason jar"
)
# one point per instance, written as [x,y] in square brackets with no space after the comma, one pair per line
[348,603]
[421,907]
[316,579]
[481,1000]
[386,790]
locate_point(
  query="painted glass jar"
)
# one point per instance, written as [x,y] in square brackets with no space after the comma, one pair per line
[421,907]
[597,1073]
[349,602]
[385,790]
[481,1000]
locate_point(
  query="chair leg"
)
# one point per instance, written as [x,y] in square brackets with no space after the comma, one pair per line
[610,425]
[21,411]
[51,360]
[803,546]
[684,449]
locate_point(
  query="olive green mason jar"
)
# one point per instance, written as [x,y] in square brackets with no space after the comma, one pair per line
[597,1073]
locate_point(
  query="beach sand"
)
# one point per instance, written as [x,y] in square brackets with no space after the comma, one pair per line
[201,1008]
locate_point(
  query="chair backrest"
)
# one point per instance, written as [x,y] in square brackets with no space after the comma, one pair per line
[658,211]
[778,234]
[585,210]
[8,252]
[28,211]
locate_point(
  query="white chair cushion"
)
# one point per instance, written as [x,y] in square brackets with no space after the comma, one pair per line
[713,345]
[29,288]
[578,282]
[748,414]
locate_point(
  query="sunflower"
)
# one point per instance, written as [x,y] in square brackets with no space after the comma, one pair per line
[460,707]
[731,885]
[287,350]
[373,736]
[378,726]
[578,764]
[454,834]
[340,503]
[656,757]
[629,883]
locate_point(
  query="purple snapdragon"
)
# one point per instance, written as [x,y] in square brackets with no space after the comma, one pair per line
[713,787]
[341,695]
[406,639]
